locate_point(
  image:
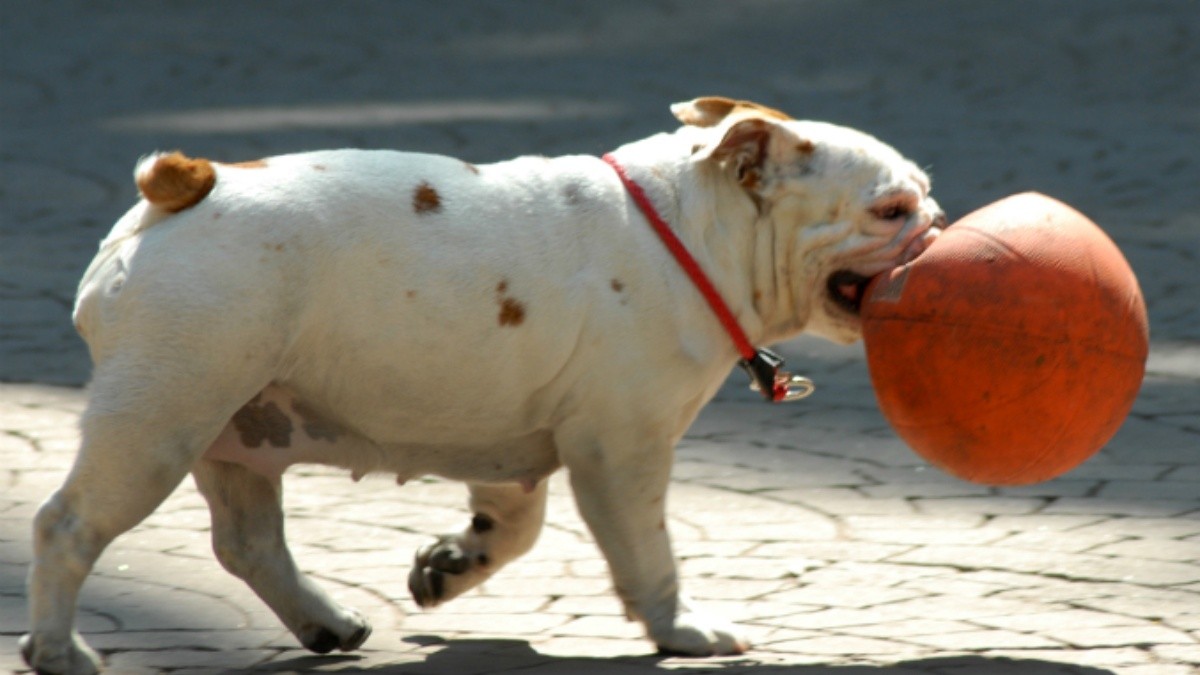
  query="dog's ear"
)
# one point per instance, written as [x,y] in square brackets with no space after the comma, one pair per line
[749,145]
[709,111]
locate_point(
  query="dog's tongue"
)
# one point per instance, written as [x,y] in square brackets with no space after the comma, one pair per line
[850,291]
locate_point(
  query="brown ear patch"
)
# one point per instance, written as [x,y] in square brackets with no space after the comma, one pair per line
[174,182]
[426,199]
[709,111]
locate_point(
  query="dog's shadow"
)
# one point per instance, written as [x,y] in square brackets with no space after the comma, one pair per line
[477,657]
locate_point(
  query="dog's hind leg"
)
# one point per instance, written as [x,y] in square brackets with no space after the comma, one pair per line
[506,522]
[248,539]
[138,443]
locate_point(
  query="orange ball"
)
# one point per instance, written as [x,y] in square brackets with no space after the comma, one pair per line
[1011,350]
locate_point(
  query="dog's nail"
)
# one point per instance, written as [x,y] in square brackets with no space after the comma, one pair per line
[324,642]
[449,560]
[437,584]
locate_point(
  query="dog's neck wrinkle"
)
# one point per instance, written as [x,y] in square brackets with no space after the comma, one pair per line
[739,246]
[727,242]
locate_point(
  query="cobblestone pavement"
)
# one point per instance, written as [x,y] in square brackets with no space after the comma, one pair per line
[812,524]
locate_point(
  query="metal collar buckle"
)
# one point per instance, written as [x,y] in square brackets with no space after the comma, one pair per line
[775,385]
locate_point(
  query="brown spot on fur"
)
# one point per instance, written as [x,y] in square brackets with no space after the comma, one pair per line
[471,167]
[318,167]
[617,286]
[316,427]
[256,423]
[175,182]
[426,199]
[512,312]
[805,147]
[252,164]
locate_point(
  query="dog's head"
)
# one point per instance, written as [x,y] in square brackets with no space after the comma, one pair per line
[838,207]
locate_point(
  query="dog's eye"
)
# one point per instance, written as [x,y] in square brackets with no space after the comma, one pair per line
[892,212]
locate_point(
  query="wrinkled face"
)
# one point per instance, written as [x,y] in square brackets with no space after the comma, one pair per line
[838,205]
[860,209]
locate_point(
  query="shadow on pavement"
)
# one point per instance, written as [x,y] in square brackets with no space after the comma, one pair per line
[466,657]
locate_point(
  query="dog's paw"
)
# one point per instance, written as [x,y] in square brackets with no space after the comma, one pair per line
[444,569]
[348,636]
[697,634]
[73,657]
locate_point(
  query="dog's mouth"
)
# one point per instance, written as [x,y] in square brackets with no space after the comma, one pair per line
[847,290]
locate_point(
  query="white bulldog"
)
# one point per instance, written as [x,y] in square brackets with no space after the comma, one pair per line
[415,314]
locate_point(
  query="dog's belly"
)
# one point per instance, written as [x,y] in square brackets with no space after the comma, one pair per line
[277,429]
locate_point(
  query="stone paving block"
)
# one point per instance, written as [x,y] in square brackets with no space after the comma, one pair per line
[1115,636]
[592,647]
[845,596]
[979,640]
[1178,653]
[1172,490]
[948,608]
[925,536]
[234,659]
[942,522]
[844,646]
[910,628]
[600,627]
[1057,620]
[1062,542]
[1078,566]
[1153,549]
[1146,603]
[482,624]
[990,506]
[956,586]
[939,489]
[839,618]
[851,573]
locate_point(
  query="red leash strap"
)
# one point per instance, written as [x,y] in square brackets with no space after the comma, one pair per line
[686,261]
[762,365]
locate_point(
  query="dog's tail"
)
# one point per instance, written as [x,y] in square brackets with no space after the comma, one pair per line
[173,181]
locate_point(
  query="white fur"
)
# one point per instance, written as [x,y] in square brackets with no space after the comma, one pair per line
[530,320]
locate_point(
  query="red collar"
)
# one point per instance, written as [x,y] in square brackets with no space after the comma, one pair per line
[762,365]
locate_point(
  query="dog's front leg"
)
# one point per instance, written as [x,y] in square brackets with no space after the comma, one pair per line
[620,479]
